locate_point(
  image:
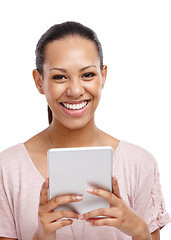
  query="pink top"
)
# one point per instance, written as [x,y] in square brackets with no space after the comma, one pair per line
[20,183]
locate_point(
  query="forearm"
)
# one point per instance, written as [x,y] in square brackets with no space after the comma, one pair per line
[43,237]
[142,238]
[36,237]
[143,233]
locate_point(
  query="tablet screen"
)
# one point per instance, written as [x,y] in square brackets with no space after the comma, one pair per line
[73,170]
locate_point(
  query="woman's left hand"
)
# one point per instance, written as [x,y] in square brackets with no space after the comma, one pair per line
[119,215]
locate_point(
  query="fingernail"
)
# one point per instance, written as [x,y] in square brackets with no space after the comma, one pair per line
[115,179]
[79,198]
[45,184]
[90,190]
[81,217]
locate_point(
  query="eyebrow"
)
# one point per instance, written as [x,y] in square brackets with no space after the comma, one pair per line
[64,70]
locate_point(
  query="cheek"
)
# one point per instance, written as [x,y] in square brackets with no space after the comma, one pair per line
[53,92]
[95,89]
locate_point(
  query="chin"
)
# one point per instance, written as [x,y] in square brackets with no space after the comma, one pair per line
[74,123]
[75,126]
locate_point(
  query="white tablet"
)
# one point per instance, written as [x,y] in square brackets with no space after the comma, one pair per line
[73,170]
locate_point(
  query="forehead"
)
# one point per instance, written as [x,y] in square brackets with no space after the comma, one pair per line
[71,49]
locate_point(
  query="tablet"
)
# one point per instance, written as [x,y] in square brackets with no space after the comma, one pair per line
[73,170]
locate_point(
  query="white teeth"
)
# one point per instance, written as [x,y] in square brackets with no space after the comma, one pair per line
[75,106]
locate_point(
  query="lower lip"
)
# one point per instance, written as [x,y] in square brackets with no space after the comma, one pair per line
[75,113]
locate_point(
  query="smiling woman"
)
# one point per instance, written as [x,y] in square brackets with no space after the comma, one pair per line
[62,31]
[71,75]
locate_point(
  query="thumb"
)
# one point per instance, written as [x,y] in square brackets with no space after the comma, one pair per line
[115,187]
[44,192]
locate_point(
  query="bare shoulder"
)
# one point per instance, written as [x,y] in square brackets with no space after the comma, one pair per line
[108,140]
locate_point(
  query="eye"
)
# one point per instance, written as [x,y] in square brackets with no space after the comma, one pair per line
[88,75]
[59,77]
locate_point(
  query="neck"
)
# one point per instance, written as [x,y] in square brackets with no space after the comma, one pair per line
[62,137]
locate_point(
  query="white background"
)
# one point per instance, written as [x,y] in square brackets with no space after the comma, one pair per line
[136,101]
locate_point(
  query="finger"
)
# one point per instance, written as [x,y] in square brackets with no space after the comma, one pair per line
[58,201]
[55,216]
[104,222]
[44,192]
[115,187]
[109,196]
[106,212]
[59,224]
[93,219]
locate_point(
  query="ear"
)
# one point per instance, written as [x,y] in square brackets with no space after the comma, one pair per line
[104,75]
[38,80]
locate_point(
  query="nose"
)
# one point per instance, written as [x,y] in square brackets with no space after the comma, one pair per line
[75,88]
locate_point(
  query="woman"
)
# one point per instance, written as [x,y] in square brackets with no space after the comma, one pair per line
[70,73]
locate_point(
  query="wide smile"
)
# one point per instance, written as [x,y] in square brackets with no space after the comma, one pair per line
[74,106]
[75,109]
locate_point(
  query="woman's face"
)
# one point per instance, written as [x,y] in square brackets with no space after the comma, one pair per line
[72,80]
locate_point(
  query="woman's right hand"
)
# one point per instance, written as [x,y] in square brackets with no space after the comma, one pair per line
[49,220]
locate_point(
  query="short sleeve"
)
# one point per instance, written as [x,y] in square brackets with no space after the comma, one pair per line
[149,202]
[7,223]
